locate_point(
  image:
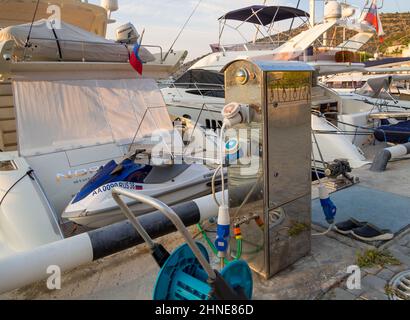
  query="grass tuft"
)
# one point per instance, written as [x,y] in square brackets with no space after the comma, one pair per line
[374,257]
[297,228]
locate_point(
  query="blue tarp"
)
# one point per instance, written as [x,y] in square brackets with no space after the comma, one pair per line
[383,209]
[395,133]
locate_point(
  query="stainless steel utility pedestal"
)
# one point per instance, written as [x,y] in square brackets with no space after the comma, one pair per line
[271,181]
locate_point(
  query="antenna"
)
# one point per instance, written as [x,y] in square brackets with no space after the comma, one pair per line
[27,44]
[182,29]
[312,12]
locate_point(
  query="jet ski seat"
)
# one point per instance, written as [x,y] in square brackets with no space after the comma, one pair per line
[166,173]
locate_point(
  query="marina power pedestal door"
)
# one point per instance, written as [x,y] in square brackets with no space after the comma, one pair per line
[270,178]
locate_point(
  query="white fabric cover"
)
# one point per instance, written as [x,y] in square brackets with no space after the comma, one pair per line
[76,44]
[64,115]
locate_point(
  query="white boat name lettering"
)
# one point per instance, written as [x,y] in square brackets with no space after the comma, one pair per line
[124,185]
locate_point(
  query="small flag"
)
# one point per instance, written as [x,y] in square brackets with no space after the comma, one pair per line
[372,17]
[135,59]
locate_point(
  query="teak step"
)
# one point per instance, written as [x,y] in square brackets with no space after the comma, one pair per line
[7,113]
[10,148]
[5,89]
[6,101]
[8,125]
[10,138]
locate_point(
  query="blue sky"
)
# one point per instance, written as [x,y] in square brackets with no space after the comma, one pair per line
[162,19]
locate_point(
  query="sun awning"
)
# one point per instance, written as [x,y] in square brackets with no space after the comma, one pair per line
[55,116]
[264,15]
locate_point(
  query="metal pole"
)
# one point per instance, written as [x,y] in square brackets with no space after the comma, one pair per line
[134,221]
[171,215]
[312,12]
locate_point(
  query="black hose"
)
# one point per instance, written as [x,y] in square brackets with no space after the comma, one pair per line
[28,173]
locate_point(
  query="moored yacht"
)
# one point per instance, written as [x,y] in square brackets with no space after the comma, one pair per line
[70,102]
[202,99]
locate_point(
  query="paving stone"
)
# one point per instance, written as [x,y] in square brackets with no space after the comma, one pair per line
[397,269]
[373,282]
[404,257]
[341,294]
[405,241]
[373,295]
[374,270]
[355,292]
[386,274]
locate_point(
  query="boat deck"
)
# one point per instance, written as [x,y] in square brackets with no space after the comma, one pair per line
[380,198]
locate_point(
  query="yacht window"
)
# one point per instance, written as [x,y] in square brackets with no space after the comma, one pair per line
[337,85]
[213,124]
[199,78]
[7,165]
[208,93]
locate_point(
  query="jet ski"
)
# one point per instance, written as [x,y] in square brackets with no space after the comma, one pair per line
[94,206]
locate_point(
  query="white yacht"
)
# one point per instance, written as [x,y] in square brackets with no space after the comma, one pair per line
[69,103]
[198,95]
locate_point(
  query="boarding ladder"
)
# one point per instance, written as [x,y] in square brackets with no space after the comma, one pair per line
[8,131]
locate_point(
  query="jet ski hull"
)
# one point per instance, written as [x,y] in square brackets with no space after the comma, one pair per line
[99,209]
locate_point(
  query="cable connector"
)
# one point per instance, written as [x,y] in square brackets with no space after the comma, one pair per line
[259,222]
[235,113]
[237,232]
[329,208]
[223,231]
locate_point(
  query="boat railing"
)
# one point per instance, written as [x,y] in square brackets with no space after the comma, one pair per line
[347,51]
[78,50]
[268,33]
[247,46]
[161,51]
[199,87]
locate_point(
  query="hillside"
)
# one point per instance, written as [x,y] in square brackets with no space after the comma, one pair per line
[396,27]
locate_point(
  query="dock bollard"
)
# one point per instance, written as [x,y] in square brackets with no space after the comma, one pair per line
[384,156]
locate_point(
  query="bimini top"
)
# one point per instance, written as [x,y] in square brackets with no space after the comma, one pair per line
[264,15]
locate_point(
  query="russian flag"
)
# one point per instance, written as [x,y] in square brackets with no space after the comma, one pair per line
[372,17]
[135,59]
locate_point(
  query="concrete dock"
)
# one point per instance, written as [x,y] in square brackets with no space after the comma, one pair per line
[322,274]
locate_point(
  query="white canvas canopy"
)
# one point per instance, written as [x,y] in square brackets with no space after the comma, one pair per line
[68,43]
[55,116]
[374,86]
